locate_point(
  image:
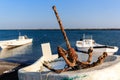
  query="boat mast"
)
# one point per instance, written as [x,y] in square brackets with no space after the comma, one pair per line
[91,37]
[19,34]
[61,27]
[83,36]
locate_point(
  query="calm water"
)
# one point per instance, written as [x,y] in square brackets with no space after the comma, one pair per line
[31,52]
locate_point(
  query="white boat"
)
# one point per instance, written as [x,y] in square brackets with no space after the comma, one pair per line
[84,44]
[109,70]
[22,40]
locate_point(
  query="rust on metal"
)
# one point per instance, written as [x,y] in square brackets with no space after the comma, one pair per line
[70,56]
[61,27]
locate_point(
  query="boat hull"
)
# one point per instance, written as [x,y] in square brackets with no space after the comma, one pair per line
[109,70]
[14,43]
[99,50]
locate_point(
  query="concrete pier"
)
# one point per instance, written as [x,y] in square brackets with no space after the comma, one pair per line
[8,70]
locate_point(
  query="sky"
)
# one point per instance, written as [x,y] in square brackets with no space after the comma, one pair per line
[80,14]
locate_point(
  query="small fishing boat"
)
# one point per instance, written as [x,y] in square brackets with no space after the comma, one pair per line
[109,70]
[84,44]
[22,40]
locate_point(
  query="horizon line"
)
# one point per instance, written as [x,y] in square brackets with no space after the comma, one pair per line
[65,28]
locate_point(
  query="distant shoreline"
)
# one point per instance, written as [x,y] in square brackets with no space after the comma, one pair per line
[70,29]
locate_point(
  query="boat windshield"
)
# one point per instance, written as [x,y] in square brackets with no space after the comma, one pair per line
[87,37]
[26,37]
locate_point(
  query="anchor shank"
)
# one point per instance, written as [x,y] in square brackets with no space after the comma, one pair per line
[62,28]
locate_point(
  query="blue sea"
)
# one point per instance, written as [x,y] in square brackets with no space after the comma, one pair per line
[29,53]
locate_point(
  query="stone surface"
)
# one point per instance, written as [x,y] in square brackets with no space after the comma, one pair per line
[9,71]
